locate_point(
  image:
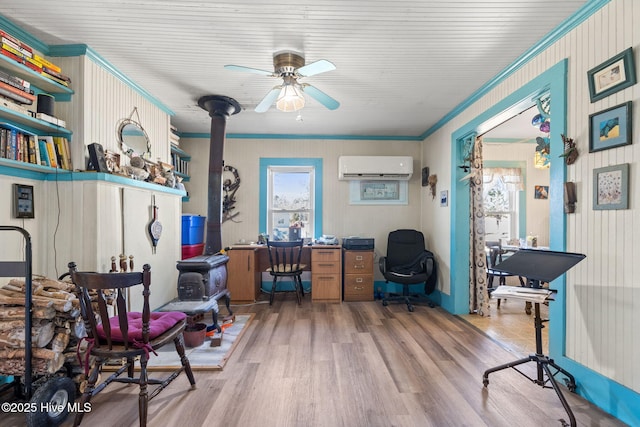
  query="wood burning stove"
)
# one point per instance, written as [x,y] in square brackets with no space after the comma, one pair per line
[204,277]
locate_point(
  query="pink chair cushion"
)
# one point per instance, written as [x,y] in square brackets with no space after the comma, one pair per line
[159,323]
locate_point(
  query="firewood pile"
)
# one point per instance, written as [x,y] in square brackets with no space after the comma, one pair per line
[56,326]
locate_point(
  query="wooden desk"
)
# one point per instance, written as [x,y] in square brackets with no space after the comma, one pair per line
[248,262]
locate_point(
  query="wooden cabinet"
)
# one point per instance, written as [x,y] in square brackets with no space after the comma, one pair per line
[358,275]
[326,276]
[243,275]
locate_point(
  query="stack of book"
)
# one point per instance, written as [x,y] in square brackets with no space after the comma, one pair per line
[174,138]
[23,146]
[24,54]
[16,89]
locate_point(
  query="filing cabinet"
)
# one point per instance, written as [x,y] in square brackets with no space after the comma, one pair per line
[326,273]
[358,275]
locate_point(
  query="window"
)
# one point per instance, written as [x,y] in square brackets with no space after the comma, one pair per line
[290,198]
[501,189]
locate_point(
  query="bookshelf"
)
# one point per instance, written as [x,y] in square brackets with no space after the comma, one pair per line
[25,73]
[180,161]
[21,118]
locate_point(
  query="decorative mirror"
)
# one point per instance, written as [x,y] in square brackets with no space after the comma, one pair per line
[134,141]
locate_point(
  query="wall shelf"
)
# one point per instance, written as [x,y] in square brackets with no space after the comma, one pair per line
[36,125]
[26,73]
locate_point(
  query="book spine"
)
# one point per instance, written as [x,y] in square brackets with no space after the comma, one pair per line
[17,91]
[14,106]
[17,42]
[3,143]
[64,164]
[67,149]
[36,149]
[33,64]
[13,49]
[20,155]
[13,144]
[55,74]
[21,51]
[46,63]
[44,154]
[51,152]
[14,96]
[19,59]
[55,79]
[15,82]
[31,148]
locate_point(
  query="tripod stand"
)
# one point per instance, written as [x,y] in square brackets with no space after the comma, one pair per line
[544,266]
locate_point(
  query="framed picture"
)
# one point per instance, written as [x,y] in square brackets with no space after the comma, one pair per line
[611,187]
[612,75]
[23,201]
[378,192]
[610,128]
[541,192]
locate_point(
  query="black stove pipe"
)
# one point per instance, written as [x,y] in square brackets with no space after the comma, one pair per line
[219,108]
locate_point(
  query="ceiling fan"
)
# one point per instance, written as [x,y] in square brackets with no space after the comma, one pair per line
[288,96]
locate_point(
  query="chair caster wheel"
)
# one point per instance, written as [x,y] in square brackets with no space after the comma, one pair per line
[385,303]
[410,308]
[571,386]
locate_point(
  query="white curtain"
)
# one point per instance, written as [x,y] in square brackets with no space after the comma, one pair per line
[511,177]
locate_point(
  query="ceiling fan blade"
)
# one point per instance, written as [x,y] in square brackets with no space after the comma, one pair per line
[268,100]
[248,70]
[320,96]
[320,66]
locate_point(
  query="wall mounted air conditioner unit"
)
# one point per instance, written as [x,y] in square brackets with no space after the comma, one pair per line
[375,168]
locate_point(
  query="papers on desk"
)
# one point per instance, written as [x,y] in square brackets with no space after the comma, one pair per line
[524,294]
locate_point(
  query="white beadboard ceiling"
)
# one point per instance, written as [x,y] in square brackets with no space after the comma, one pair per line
[401,65]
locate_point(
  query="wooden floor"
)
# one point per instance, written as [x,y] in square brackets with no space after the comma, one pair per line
[351,364]
[512,327]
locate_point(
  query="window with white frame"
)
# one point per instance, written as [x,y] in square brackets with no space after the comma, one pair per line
[501,187]
[290,202]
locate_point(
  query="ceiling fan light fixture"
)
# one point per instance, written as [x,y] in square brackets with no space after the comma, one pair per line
[290,98]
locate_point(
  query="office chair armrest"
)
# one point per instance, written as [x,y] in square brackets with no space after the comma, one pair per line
[382,262]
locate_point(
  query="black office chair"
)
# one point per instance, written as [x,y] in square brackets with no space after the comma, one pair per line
[284,258]
[408,263]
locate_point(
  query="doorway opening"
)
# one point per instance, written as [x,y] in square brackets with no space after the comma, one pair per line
[516,214]
[553,83]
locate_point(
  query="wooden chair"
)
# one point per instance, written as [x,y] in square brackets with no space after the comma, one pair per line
[126,336]
[284,258]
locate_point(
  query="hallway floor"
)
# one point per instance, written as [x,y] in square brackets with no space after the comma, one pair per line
[511,326]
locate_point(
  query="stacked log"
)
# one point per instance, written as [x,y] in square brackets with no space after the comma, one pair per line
[55,313]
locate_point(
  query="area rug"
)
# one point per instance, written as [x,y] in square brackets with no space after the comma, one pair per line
[204,357]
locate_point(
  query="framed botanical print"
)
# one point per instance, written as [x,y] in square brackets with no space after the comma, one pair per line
[611,187]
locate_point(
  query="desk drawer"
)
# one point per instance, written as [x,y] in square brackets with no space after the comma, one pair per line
[325,287]
[325,267]
[325,255]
